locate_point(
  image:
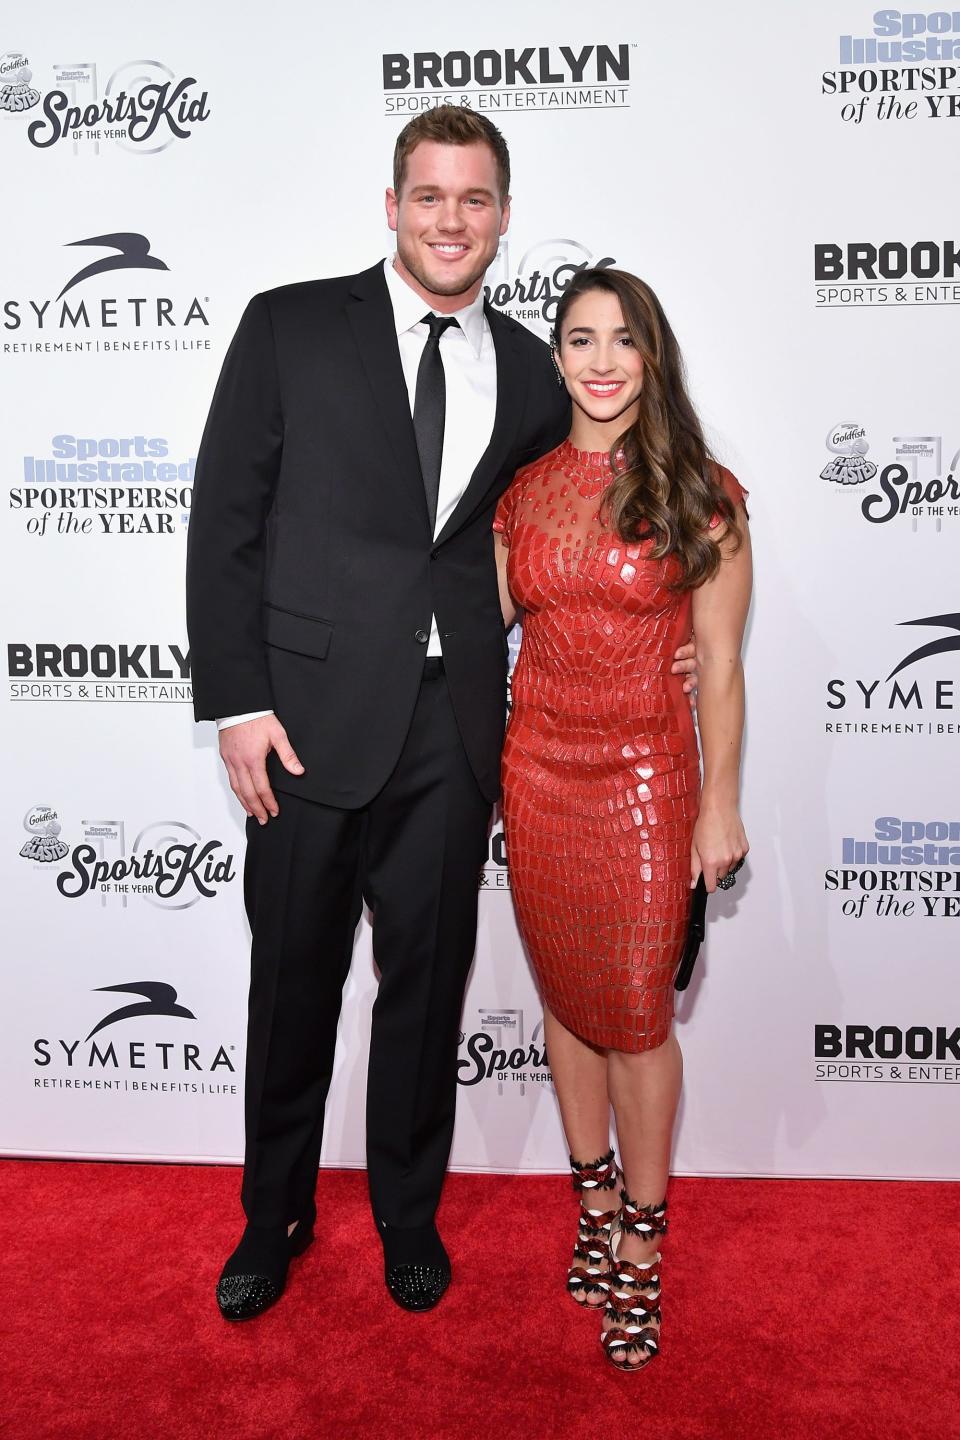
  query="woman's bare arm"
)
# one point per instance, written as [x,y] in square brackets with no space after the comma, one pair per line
[719,616]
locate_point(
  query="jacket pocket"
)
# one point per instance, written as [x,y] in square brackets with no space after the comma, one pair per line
[300,633]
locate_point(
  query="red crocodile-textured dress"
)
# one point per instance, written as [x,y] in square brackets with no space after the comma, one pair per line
[601,772]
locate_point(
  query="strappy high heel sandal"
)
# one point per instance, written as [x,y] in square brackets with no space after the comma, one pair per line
[632,1312]
[587,1279]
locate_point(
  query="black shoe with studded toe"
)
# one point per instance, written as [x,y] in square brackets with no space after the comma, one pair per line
[415,1264]
[254,1277]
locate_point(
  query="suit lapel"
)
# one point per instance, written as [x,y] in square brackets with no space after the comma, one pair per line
[511,394]
[371,318]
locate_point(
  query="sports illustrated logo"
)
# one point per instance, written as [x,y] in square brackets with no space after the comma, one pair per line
[135,1059]
[887,1054]
[545,77]
[169,864]
[546,269]
[907,868]
[42,824]
[16,92]
[94,315]
[913,704]
[105,485]
[498,1051]
[894,272]
[105,673]
[901,89]
[913,483]
[144,108]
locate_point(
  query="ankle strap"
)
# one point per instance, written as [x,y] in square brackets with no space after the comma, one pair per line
[644,1221]
[599,1174]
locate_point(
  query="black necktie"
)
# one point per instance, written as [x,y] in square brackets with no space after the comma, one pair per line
[429,410]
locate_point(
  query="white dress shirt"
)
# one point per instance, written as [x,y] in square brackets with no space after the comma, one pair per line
[470,371]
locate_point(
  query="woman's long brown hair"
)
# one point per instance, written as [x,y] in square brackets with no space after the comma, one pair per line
[666,485]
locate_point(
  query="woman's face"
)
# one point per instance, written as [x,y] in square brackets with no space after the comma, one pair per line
[601,367]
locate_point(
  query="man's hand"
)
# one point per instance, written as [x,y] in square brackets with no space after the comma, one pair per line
[685,663]
[244,750]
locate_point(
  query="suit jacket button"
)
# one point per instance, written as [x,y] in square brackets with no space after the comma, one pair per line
[421,637]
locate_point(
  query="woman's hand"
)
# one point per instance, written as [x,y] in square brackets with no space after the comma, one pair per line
[719,841]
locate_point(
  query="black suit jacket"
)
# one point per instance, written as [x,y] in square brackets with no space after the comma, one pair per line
[311,570]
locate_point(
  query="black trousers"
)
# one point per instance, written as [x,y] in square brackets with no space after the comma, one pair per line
[413,855]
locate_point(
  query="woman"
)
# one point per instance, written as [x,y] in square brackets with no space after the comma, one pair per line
[614,545]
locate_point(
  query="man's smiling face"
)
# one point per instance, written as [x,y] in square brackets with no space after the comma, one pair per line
[448,219]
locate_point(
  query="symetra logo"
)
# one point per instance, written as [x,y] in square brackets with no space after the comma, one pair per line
[943,646]
[133,253]
[914,704]
[37,322]
[159,999]
[140,1055]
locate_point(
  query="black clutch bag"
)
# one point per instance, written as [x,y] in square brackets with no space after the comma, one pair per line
[695,932]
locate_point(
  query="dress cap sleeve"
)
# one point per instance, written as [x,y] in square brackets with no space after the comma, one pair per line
[733,489]
[507,504]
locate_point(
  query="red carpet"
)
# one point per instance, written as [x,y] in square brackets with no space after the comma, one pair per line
[792,1309]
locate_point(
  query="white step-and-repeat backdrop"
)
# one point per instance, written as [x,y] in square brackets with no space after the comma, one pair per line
[785,180]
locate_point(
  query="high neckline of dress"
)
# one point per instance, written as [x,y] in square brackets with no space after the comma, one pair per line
[600,459]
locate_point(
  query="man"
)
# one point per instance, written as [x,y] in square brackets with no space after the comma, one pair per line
[346,632]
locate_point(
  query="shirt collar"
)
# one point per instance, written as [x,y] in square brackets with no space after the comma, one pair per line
[409,309]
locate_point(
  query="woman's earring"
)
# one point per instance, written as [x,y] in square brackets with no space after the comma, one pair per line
[554,347]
